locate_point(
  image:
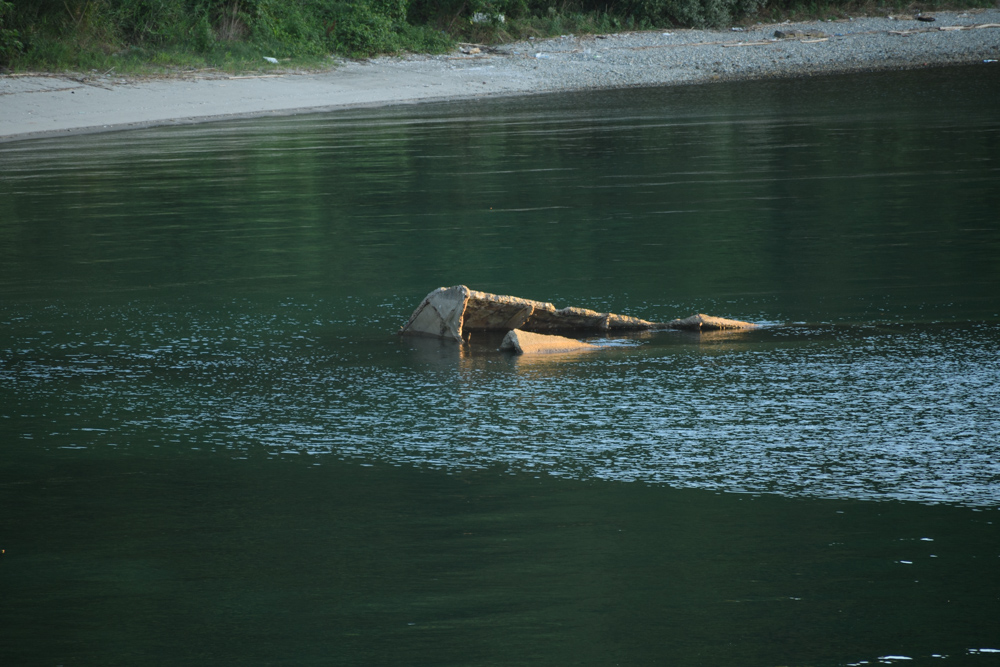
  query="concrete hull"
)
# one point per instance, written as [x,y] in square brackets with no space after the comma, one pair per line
[454,312]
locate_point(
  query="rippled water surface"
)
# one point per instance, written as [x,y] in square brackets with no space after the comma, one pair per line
[216,449]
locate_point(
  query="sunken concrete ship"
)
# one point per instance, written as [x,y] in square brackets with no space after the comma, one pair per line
[453,313]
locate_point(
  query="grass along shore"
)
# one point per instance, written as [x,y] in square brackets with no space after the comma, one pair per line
[163,37]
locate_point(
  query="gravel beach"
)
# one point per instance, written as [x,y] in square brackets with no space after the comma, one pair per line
[41,105]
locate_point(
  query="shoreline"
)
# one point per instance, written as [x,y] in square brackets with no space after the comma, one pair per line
[46,105]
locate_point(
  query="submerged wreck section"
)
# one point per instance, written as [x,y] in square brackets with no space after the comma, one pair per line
[454,312]
[526,342]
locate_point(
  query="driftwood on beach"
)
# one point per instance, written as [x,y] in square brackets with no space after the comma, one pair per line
[453,312]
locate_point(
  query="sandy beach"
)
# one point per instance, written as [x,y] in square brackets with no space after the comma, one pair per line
[45,105]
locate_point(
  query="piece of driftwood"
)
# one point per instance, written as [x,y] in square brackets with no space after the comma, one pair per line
[453,312]
[791,33]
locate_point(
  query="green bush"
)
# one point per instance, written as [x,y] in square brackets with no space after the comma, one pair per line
[449,14]
[10,39]
[358,30]
[370,27]
[689,13]
[148,22]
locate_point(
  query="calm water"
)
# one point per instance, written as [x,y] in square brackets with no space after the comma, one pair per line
[215,449]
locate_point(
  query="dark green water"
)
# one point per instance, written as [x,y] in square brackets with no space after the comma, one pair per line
[215,450]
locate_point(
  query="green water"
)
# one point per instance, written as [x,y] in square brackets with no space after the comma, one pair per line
[215,450]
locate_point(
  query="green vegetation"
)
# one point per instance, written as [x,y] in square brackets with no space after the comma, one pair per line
[150,36]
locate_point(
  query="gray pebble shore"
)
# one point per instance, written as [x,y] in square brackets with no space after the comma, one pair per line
[690,56]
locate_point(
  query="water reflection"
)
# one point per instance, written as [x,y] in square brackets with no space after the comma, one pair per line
[744,200]
[210,430]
